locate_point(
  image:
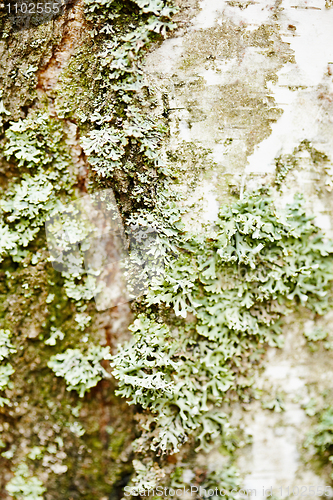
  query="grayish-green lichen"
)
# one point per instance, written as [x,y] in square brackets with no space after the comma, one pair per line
[200,332]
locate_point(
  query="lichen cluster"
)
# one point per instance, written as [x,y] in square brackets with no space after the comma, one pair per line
[285,163]
[198,333]
[22,485]
[52,317]
[44,178]
[228,293]
[320,438]
[6,369]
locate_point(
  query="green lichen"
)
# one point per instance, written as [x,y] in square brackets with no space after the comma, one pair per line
[225,480]
[23,486]
[236,284]
[44,322]
[81,371]
[120,136]
[147,477]
[160,371]
[285,163]
[37,182]
[37,142]
[320,438]
[6,369]
[199,330]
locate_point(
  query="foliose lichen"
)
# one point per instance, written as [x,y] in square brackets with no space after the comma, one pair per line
[203,326]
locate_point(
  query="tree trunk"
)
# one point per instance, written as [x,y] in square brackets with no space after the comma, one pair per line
[222,347]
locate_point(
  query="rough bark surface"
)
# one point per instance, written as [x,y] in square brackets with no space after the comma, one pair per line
[222,99]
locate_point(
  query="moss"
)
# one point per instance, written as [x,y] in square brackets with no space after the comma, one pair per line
[23,53]
[197,328]
[34,305]
[77,455]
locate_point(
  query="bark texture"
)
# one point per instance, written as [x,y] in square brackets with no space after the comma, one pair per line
[179,108]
